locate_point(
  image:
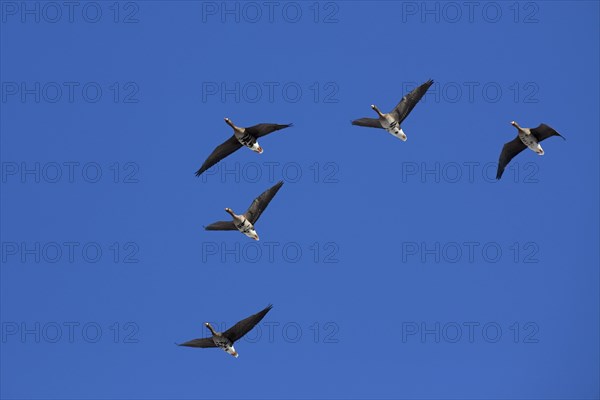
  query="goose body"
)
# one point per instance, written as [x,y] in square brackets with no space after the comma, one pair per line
[531,142]
[526,138]
[225,340]
[243,225]
[391,125]
[222,341]
[242,137]
[391,121]
[245,138]
[245,222]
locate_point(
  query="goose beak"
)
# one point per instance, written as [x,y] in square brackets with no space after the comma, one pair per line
[235,354]
[259,150]
[513,123]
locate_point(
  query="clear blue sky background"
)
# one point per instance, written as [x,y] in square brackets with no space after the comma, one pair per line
[367,212]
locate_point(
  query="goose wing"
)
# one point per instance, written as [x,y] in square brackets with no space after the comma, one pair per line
[409,101]
[222,151]
[544,132]
[261,202]
[261,130]
[244,326]
[509,151]
[204,343]
[221,226]
[368,122]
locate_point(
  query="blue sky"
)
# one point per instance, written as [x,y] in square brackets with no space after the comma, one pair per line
[396,269]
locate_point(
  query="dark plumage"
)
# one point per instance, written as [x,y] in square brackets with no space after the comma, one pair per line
[242,136]
[245,222]
[244,326]
[225,340]
[391,121]
[408,102]
[526,137]
[223,150]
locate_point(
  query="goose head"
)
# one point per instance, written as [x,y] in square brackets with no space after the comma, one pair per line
[228,122]
[209,326]
[514,123]
[229,211]
[374,107]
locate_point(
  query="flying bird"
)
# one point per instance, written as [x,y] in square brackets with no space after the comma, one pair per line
[245,222]
[225,340]
[527,137]
[241,137]
[391,121]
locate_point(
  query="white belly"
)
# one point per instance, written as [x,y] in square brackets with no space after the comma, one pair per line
[250,142]
[247,229]
[531,142]
[231,350]
[256,147]
[393,127]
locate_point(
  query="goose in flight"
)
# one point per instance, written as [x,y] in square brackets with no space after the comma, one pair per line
[241,137]
[225,340]
[527,137]
[245,222]
[391,121]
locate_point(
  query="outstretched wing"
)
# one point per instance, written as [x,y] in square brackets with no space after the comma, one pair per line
[222,151]
[509,151]
[544,132]
[261,130]
[244,326]
[204,343]
[368,122]
[261,202]
[221,226]
[409,101]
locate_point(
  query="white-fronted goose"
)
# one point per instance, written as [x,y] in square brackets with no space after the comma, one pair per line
[225,340]
[526,137]
[391,121]
[245,223]
[241,137]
